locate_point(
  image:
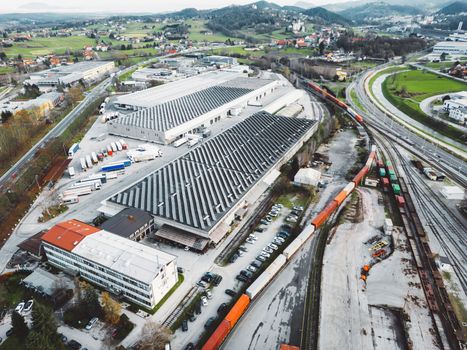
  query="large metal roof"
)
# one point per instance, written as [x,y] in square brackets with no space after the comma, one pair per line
[198,188]
[172,113]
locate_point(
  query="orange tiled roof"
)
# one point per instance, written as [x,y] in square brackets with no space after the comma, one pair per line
[68,234]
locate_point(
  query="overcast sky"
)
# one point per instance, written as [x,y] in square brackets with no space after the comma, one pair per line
[7,6]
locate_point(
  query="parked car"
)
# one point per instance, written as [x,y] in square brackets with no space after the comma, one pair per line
[207,277]
[192,317]
[201,284]
[268,218]
[259,229]
[265,254]
[217,280]
[273,246]
[189,346]
[256,264]
[280,239]
[180,269]
[286,228]
[230,292]
[242,278]
[204,301]
[292,219]
[19,307]
[208,294]
[298,208]
[28,305]
[264,222]
[273,214]
[222,308]
[209,322]
[74,345]
[241,253]
[276,241]
[233,258]
[261,258]
[249,240]
[9,332]
[243,247]
[295,213]
[63,338]
[251,268]
[246,273]
[253,237]
[268,249]
[91,323]
[184,325]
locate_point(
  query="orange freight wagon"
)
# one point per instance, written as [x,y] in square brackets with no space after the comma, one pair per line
[237,310]
[216,338]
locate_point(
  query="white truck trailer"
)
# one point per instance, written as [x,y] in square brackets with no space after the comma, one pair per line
[179,142]
[83,164]
[94,158]
[89,161]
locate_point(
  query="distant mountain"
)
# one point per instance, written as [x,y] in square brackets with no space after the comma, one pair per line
[378,10]
[263,5]
[304,5]
[453,9]
[187,13]
[423,5]
[326,16]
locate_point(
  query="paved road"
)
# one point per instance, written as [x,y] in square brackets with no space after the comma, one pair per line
[57,130]
[420,146]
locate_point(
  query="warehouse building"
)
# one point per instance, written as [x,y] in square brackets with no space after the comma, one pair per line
[168,121]
[196,197]
[141,274]
[130,223]
[71,74]
[451,48]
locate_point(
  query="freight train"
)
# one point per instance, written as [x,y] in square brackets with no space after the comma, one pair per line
[242,304]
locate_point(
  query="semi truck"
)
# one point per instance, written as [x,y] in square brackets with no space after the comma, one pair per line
[114,147]
[180,142]
[70,199]
[193,142]
[94,158]
[89,161]
[82,191]
[73,149]
[95,185]
[96,177]
[113,167]
[123,143]
[83,164]
[141,156]
[119,145]
[71,172]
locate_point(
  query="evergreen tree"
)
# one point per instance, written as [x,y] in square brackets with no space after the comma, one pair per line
[43,333]
[20,328]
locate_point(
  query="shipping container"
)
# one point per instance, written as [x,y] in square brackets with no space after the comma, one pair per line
[238,310]
[396,188]
[324,214]
[388,163]
[293,247]
[263,280]
[385,182]
[393,178]
[73,149]
[391,172]
[400,201]
[371,159]
[382,172]
[344,193]
[218,336]
[71,172]
[379,164]
[83,164]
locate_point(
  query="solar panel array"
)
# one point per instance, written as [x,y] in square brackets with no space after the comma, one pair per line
[198,188]
[172,113]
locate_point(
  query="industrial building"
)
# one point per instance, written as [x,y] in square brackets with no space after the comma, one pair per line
[71,74]
[307,177]
[130,223]
[41,105]
[167,121]
[196,197]
[126,268]
[451,48]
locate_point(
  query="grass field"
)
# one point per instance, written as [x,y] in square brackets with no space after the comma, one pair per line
[6,70]
[439,65]
[45,46]
[418,85]
[197,26]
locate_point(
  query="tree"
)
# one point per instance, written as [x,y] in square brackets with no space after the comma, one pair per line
[443,56]
[43,334]
[20,328]
[154,336]
[75,94]
[112,309]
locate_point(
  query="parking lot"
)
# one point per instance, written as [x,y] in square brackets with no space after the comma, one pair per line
[229,280]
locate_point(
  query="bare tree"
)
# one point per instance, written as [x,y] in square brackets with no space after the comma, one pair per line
[154,336]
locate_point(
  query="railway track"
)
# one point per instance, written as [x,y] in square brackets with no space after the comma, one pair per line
[437,299]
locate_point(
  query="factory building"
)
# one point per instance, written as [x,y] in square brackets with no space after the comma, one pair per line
[141,274]
[451,48]
[70,74]
[196,198]
[168,121]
